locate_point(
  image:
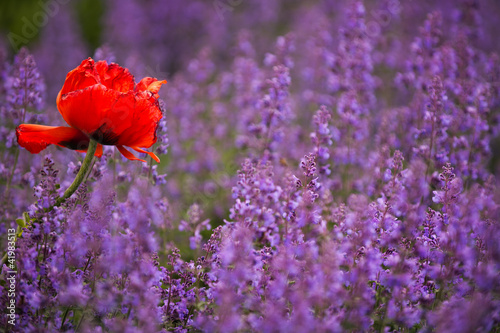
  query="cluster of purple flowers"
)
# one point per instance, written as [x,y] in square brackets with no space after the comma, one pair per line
[338,178]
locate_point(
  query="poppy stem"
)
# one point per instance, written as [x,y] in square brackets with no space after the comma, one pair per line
[87,162]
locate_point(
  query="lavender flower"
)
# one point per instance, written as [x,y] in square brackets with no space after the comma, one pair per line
[329,167]
[23,99]
[195,225]
[25,91]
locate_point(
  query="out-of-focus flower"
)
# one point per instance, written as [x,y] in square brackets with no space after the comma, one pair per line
[100,101]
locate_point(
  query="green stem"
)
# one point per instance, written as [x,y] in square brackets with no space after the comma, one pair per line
[81,319]
[87,161]
[64,317]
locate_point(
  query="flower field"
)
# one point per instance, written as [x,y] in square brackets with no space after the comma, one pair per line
[250,166]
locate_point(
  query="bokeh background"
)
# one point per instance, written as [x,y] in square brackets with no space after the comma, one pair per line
[163,36]
[246,82]
[194,44]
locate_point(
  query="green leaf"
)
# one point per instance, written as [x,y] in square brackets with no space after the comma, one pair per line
[21,223]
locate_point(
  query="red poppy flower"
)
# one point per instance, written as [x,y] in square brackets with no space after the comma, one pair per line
[101,102]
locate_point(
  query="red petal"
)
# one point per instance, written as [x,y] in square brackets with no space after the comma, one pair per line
[99,112]
[36,138]
[128,154]
[153,156]
[81,77]
[98,151]
[105,107]
[111,117]
[150,84]
[145,116]
[115,77]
